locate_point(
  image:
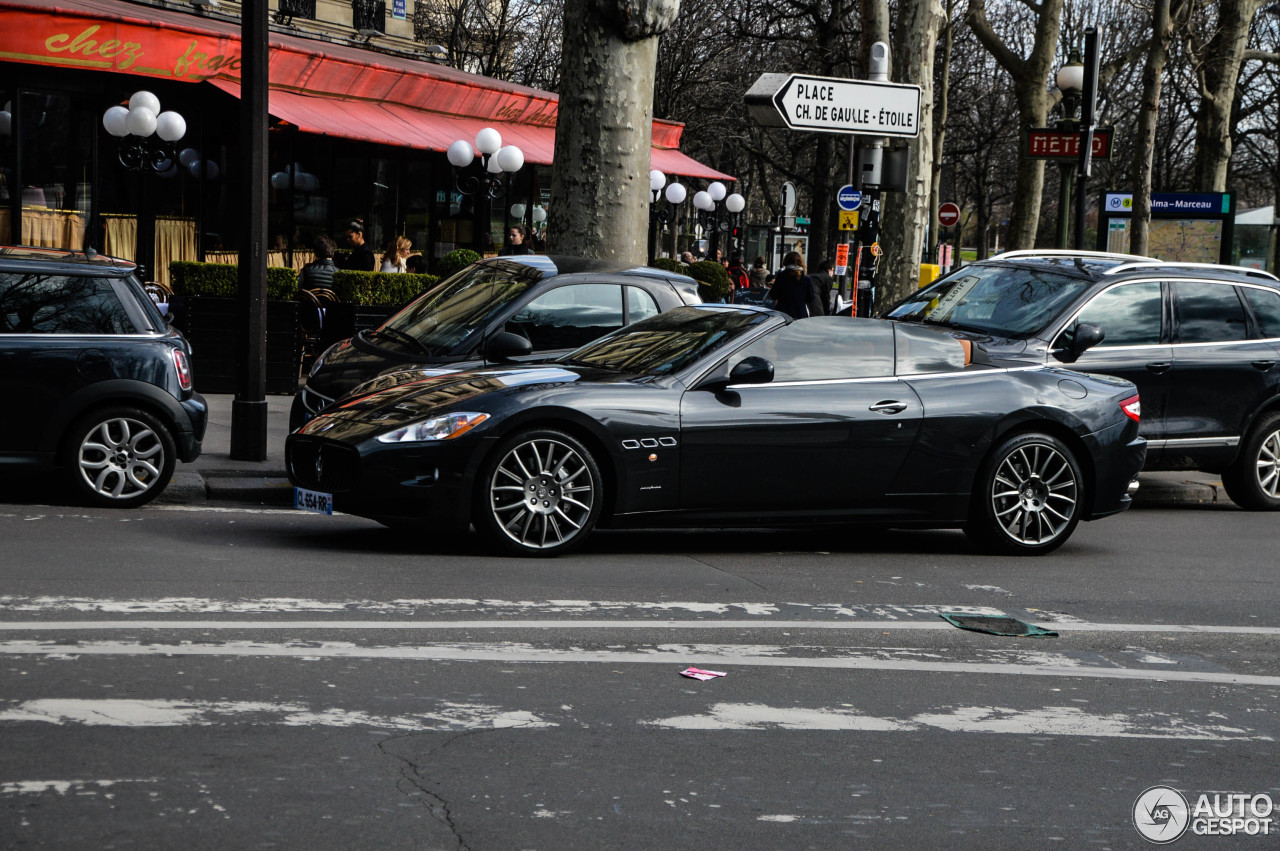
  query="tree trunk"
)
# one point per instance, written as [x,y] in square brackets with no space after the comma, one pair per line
[600,186]
[1030,78]
[1148,118]
[940,128]
[906,213]
[1220,70]
[821,221]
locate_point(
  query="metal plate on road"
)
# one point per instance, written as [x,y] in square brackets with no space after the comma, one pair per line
[835,105]
[314,501]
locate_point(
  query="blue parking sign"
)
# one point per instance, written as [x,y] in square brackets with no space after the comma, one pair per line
[848,198]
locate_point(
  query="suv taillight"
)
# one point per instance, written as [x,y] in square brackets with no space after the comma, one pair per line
[183,368]
[1132,408]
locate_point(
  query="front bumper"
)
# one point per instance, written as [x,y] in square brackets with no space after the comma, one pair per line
[427,483]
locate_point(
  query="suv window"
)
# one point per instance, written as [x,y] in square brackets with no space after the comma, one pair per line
[570,316]
[60,304]
[826,348]
[1209,313]
[1007,301]
[1266,309]
[1129,314]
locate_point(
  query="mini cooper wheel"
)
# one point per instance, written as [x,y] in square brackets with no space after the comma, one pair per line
[119,457]
[1253,479]
[1028,496]
[541,494]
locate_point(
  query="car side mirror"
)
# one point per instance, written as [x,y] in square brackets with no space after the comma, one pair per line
[1085,337]
[505,346]
[752,370]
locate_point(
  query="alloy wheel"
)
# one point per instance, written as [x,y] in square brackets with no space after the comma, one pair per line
[121,458]
[542,494]
[1034,494]
[1268,465]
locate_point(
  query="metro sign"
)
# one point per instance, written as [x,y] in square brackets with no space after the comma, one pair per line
[835,105]
[1053,144]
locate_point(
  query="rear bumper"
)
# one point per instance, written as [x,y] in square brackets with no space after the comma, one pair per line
[1116,470]
[189,443]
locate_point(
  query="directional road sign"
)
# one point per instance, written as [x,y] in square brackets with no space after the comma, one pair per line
[848,198]
[835,105]
[948,214]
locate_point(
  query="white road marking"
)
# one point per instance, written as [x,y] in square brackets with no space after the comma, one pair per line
[1045,721]
[176,713]
[716,656]
[62,787]
[533,624]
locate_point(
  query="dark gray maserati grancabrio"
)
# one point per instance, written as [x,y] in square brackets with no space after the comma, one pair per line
[725,416]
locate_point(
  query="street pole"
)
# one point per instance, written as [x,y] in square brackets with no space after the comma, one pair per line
[871,178]
[249,408]
[1087,119]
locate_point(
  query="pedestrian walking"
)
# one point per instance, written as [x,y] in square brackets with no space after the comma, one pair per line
[759,273]
[515,242]
[792,287]
[318,274]
[820,299]
[686,257]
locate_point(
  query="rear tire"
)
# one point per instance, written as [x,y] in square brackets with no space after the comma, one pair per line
[1253,479]
[119,457]
[1028,497]
[540,494]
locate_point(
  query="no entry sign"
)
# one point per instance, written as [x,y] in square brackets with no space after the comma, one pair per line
[949,214]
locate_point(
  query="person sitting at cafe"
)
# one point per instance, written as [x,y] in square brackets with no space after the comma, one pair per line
[515,242]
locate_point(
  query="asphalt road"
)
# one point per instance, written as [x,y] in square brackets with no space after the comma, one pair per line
[197,677]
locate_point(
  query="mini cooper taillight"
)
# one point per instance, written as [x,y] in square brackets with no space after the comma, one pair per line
[183,368]
[1132,408]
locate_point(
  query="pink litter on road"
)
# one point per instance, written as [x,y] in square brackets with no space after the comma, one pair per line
[699,674]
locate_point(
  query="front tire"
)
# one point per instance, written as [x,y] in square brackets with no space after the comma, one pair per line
[1253,479]
[1028,497]
[119,457]
[540,494]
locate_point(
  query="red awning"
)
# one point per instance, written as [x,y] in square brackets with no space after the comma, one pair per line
[324,88]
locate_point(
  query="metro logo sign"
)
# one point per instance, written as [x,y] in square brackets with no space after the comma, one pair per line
[1052,144]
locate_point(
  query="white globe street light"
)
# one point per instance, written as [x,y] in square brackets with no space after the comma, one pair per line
[735,203]
[495,160]
[717,191]
[676,193]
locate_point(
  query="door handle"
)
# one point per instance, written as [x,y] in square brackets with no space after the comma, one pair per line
[1159,368]
[889,407]
[1264,365]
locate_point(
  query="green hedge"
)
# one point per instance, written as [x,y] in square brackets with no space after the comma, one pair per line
[669,264]
[455,261]
[380,288]
[222,280]
[713,279]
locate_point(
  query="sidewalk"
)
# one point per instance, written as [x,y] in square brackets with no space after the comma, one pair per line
[214,476]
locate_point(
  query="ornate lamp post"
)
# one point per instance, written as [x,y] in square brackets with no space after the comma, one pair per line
[1070,81]
[147,138]
[712,205]
[659,213]
[495,160]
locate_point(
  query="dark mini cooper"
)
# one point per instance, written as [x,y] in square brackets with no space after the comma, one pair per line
[1201,342]
[95,383]
[718,415]
[500,310]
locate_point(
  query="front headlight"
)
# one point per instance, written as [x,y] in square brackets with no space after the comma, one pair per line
[443,427]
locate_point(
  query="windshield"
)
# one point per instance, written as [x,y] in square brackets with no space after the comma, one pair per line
[457,310]
[668,342]
[1005,301]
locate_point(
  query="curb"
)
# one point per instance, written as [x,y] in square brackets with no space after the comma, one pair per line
[1168,492]
[190,487]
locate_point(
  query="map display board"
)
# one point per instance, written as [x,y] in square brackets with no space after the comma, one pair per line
[1185,227]
[1173,240]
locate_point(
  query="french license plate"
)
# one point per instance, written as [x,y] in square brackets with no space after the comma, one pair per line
[320,503]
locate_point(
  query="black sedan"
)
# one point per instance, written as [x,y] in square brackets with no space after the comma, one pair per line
[720,415]
[498,310]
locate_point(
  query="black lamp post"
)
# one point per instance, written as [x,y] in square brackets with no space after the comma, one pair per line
[713,205]
[1070,82]
[147,137]
[495,161]
[659,213]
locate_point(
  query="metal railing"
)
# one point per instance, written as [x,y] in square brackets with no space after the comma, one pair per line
[369,16]
[287,10]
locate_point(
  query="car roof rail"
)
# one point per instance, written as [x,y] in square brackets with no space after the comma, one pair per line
[1068,252]
[1161,264]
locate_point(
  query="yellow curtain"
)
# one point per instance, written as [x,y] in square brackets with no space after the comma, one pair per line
[232,257]
[175,240]
[274,258]
[120,236]
[52,228]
